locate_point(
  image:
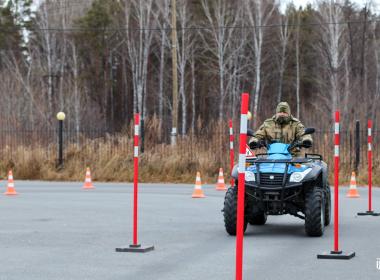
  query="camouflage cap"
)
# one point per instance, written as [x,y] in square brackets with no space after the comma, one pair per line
[283,107]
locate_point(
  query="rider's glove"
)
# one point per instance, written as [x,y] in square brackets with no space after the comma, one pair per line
[306,143]
[254,145]
[257,145]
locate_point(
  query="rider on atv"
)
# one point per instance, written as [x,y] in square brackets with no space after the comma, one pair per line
[283,128]
[277,182]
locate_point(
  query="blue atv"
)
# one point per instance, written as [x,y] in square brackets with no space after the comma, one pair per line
[277,184]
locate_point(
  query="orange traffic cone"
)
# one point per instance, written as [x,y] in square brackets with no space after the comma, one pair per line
[220,185]
[88,182]
[11,185]
[353,191]
[198,192]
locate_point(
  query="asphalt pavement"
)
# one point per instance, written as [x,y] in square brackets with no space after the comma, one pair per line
[55,230]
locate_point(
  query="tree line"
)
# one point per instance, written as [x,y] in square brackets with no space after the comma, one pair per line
[102,61]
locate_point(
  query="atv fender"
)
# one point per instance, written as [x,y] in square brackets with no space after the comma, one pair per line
[316,172]
[325,173]
[235,173]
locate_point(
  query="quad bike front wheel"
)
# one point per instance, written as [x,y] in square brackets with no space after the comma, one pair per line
[314,212]
[230,211]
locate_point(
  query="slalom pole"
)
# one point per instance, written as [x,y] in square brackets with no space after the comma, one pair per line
[370,212]
[232,155]
[241,187]
[135,177]
[336,182]
[336,253]
[135,246]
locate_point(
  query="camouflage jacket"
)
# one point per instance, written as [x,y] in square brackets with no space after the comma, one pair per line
[284,133]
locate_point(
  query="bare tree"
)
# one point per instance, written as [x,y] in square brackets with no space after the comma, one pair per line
[163,22]
[106,70]
[77,99]
[184,46]
[49,54]
[138,19]
[298,78]
[22,71]
[332,46]
[193,85]
[376,52]
[284,35]
[223,42]
[258,15]
[347,83]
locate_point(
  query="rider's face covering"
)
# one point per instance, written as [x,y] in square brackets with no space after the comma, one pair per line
[282,118]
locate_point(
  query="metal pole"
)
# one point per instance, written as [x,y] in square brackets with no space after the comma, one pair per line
[60,143]
[357,147]
[175,78]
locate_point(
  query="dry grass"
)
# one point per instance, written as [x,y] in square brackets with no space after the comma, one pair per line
[162,164]
[111,159]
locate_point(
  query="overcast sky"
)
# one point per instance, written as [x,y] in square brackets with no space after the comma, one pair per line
[297,3]
[303,3]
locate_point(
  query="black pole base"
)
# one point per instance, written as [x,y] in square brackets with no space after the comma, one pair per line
[368,213]
[135,249]
[336,255]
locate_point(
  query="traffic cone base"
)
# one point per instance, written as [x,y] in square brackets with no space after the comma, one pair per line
[353,191]
[11,192]
[221,188]
[88,182]
[220,185]
[198,192]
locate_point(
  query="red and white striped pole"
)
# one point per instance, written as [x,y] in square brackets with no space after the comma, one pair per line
[232,155]
[135,176]
[370,165]
[336,182]
[241,187]
[135,247]
[370,211]
[336,253]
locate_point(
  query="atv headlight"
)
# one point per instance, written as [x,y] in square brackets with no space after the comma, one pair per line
[297,177]
[250,176]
